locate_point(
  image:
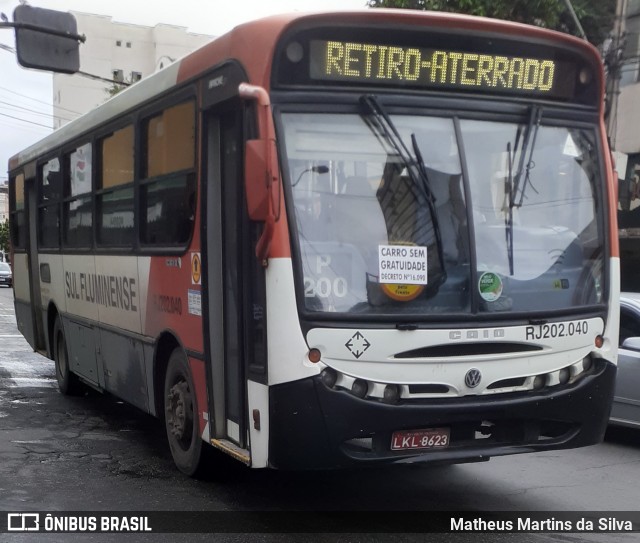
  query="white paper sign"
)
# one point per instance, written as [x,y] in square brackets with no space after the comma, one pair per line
[402,264]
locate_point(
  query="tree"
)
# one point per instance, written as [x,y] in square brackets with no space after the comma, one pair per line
[595,16]
[117,87]
[4,236]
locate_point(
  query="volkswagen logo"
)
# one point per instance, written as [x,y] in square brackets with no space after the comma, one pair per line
[472,378]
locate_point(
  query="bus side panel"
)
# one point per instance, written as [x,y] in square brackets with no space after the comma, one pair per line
[69,283]
[73,285]
[81,345]
[117,293]
[287,346]
[125,372]
[174,298]
[52,290]
[200,384]
[119,297]
[22,293]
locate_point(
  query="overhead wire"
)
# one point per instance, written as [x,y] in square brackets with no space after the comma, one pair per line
[7,123]
[25,120]
[41,101]
[33,111]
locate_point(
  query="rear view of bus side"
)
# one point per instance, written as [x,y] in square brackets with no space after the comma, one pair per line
[336,239]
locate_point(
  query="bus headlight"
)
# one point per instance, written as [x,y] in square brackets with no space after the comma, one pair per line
[329,377]
[539,381]
[391,394]
[360,388]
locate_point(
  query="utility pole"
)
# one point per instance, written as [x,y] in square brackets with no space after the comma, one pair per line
[572,12]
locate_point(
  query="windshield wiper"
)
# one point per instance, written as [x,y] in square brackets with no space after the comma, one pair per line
[378,119]
[528,145]
[524,167]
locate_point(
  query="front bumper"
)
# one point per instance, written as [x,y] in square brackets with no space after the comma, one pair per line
[315,427]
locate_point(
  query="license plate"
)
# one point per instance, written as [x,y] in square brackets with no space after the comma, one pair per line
[434,438]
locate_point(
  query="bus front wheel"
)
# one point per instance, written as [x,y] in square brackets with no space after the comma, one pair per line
[68,382]
[181,416]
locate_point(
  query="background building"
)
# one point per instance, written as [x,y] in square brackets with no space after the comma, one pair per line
[625,140]
[4,203]
[626,134]
[120,51]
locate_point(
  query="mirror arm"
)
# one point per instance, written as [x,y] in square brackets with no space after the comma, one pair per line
[45,30]
[264,243]
[260,95]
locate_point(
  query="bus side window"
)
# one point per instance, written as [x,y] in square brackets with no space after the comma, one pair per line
[168,190]
[77,212]
[115,201]
[18,217]
[168,210]
[185,225]
[49,204]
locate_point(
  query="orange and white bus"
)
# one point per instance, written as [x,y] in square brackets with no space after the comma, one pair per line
[336,239]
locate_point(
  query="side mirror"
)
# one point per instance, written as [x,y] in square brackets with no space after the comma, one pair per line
[46,39]
[262,174]
[262,186]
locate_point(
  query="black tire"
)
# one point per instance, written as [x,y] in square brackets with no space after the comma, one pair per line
[181,417]
[68,382]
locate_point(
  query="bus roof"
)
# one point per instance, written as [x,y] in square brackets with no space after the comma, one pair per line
[253,45]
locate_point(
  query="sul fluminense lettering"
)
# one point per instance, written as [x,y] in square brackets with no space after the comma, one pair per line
[106,290]
[362,61]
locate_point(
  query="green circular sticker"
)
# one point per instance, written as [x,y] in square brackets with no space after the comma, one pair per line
[490,286]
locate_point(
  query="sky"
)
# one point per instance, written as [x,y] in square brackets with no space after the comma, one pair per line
[26,95]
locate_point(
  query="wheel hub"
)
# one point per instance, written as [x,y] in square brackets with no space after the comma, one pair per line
[179,411]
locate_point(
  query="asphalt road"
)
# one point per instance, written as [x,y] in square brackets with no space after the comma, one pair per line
[94,453]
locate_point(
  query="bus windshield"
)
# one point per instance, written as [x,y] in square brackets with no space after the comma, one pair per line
[375,239]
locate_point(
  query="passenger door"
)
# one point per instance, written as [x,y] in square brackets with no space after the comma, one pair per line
[234,314]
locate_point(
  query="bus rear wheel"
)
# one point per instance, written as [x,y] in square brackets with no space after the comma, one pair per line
[181,416]
[68,382]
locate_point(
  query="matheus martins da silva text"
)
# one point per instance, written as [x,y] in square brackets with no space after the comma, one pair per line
[524,524]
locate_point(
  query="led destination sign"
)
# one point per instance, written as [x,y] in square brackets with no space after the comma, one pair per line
[368,63]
